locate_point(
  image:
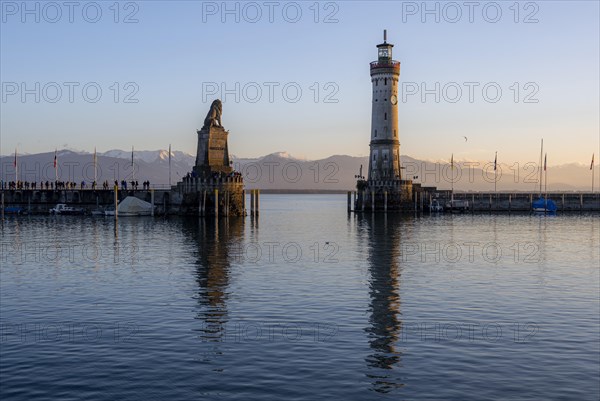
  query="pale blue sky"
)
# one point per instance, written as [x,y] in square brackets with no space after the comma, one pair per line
[170,53]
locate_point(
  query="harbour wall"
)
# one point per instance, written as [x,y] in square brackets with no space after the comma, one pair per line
[175,202]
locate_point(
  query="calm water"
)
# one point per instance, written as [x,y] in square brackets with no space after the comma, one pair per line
[306,303]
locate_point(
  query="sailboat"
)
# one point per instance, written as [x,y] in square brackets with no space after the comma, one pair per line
[543,204]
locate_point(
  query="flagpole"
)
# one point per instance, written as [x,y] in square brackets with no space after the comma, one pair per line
[132,167]
[495,175]
[95,167]
[452,181]
[592,168]
[545,183]
[541,171]
[16,168]
[55,165]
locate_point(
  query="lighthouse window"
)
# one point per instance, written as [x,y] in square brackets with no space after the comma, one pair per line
[394,132]
[385,116]
[385,81]
[375,133]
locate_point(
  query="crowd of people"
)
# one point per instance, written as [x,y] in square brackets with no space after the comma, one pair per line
[215,175]
[69,185]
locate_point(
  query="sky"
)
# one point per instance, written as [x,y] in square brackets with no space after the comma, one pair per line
[294,76]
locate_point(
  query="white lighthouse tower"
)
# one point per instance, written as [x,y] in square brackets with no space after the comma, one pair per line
[385,189]
[384,161]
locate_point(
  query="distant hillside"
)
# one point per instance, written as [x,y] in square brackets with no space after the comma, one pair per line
[280,171]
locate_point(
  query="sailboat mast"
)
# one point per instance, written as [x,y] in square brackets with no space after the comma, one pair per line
[545,179]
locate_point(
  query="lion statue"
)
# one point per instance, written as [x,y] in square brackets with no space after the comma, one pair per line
[213,118]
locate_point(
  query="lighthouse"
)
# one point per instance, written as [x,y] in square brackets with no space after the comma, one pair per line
[384,160]
[385,188]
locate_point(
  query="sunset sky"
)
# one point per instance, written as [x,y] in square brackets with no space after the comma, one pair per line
[177,53]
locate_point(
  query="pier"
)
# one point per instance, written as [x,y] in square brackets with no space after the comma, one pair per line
[497,202]
[37,201]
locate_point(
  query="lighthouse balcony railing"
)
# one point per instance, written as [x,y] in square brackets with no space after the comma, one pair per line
[385,64]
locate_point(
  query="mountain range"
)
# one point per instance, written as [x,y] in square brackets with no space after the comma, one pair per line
[282,171]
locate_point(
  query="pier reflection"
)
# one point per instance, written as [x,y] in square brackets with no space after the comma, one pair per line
[384,330]
[214,243]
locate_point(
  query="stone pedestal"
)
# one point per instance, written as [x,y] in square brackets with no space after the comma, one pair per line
[213,154]
[383,196]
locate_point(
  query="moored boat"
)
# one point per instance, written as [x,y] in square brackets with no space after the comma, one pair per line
[62,208]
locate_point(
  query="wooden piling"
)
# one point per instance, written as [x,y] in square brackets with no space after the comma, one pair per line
[373,201]
[152,201]
[199,204]
[385,201]
[252,202]
[415,199]
[349,201]
[216,202]
[243,202]
[116,202]
[257,201]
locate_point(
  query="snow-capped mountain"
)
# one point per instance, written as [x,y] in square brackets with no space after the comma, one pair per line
[279,171]
[150,156]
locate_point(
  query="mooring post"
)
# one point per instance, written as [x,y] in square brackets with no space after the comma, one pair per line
[349,201]
[490,201]
[257,201]
[530,201]
[385,201]
[28,202]
[509,202]
[216,202]
[152,201]
[204,202]
[581,201]
[243,202]
[2,205]
[227,204]
[562,202]
[199,204]
[363,200]
[416,193]
[372,201]
[116,202]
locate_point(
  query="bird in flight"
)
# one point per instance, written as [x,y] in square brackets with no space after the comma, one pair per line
[465,138]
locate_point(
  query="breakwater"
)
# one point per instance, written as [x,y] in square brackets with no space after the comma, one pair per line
[41,201]
[500,202]
[172,202]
